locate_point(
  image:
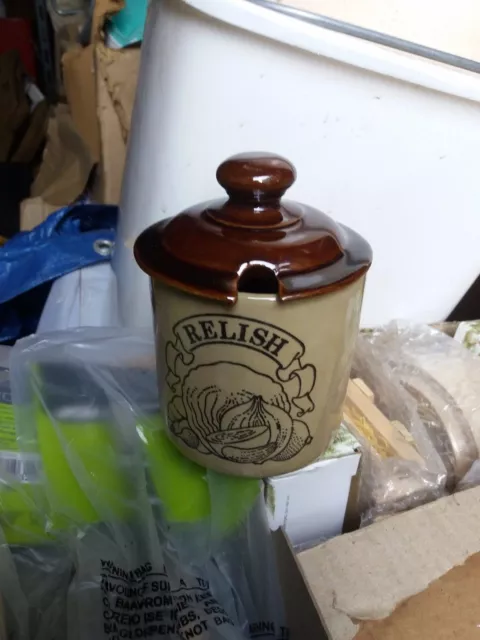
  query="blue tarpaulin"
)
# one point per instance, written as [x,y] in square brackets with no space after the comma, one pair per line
[69,239]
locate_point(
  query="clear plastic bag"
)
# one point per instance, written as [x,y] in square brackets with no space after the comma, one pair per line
[391,484]
[161,547]
[34,570]
[468,334]
[431,384]
[443,378]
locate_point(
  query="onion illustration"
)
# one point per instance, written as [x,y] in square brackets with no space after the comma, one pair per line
[235,412]
[300,438]
[249,414]
[250,437]
[270,422]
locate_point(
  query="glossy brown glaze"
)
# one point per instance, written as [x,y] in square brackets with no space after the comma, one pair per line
[253,240]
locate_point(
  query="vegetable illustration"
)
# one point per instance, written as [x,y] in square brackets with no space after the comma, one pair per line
[252,456]
[300,438]
[235,413]
[250,437]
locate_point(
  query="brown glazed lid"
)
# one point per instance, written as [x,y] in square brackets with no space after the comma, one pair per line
[253,241]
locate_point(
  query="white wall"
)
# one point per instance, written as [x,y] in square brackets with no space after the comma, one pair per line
[451,26]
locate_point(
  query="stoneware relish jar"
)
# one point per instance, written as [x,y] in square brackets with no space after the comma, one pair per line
[257,304]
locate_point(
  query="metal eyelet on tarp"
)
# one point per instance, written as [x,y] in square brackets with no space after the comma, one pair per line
[104,247]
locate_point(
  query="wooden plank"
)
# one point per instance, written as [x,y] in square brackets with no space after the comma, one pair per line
[369,423]
[364,388]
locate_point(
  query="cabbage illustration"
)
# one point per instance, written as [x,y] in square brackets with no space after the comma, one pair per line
[235,413]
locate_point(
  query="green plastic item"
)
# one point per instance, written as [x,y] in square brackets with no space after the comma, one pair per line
[22,521]
[89,446]
[69,449]
[184,487]
[181,485]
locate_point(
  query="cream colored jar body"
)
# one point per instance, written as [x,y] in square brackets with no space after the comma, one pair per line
[256,388]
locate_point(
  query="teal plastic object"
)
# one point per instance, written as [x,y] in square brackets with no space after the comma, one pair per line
[127,26]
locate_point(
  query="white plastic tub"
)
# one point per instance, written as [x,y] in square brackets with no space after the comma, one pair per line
[384,140]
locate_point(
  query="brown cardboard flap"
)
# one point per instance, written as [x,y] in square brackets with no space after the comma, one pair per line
[63,174]
[80,89]
[33,211]
[117,75]
[448,610]
[66,163]
[120,68]
[365,575]
[302,617]
[112,144]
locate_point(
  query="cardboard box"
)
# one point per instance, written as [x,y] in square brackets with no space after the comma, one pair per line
[311,504]
[66,165]
[80,88]
[414,576]
[301,614]
[100,85]
[116,76]
[116,83]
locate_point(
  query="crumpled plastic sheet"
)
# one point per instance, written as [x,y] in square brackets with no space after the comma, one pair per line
[431,384]
[120,536]
[391,484]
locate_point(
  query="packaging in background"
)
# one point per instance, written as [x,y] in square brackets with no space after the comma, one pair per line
[311,504]
[401,468]
[167,552]
[468,334]
[443,379]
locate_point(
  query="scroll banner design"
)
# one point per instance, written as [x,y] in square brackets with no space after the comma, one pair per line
[282,347]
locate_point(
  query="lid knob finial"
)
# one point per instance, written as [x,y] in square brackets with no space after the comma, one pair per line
[256,176]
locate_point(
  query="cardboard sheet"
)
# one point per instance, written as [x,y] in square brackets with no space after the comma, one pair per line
[117,75]
[368,574]
[116,83]
[64,172]
[80,89]
[120,72]
[100,85]
[66,162]
[302,617]
[447,610]
[113,149]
